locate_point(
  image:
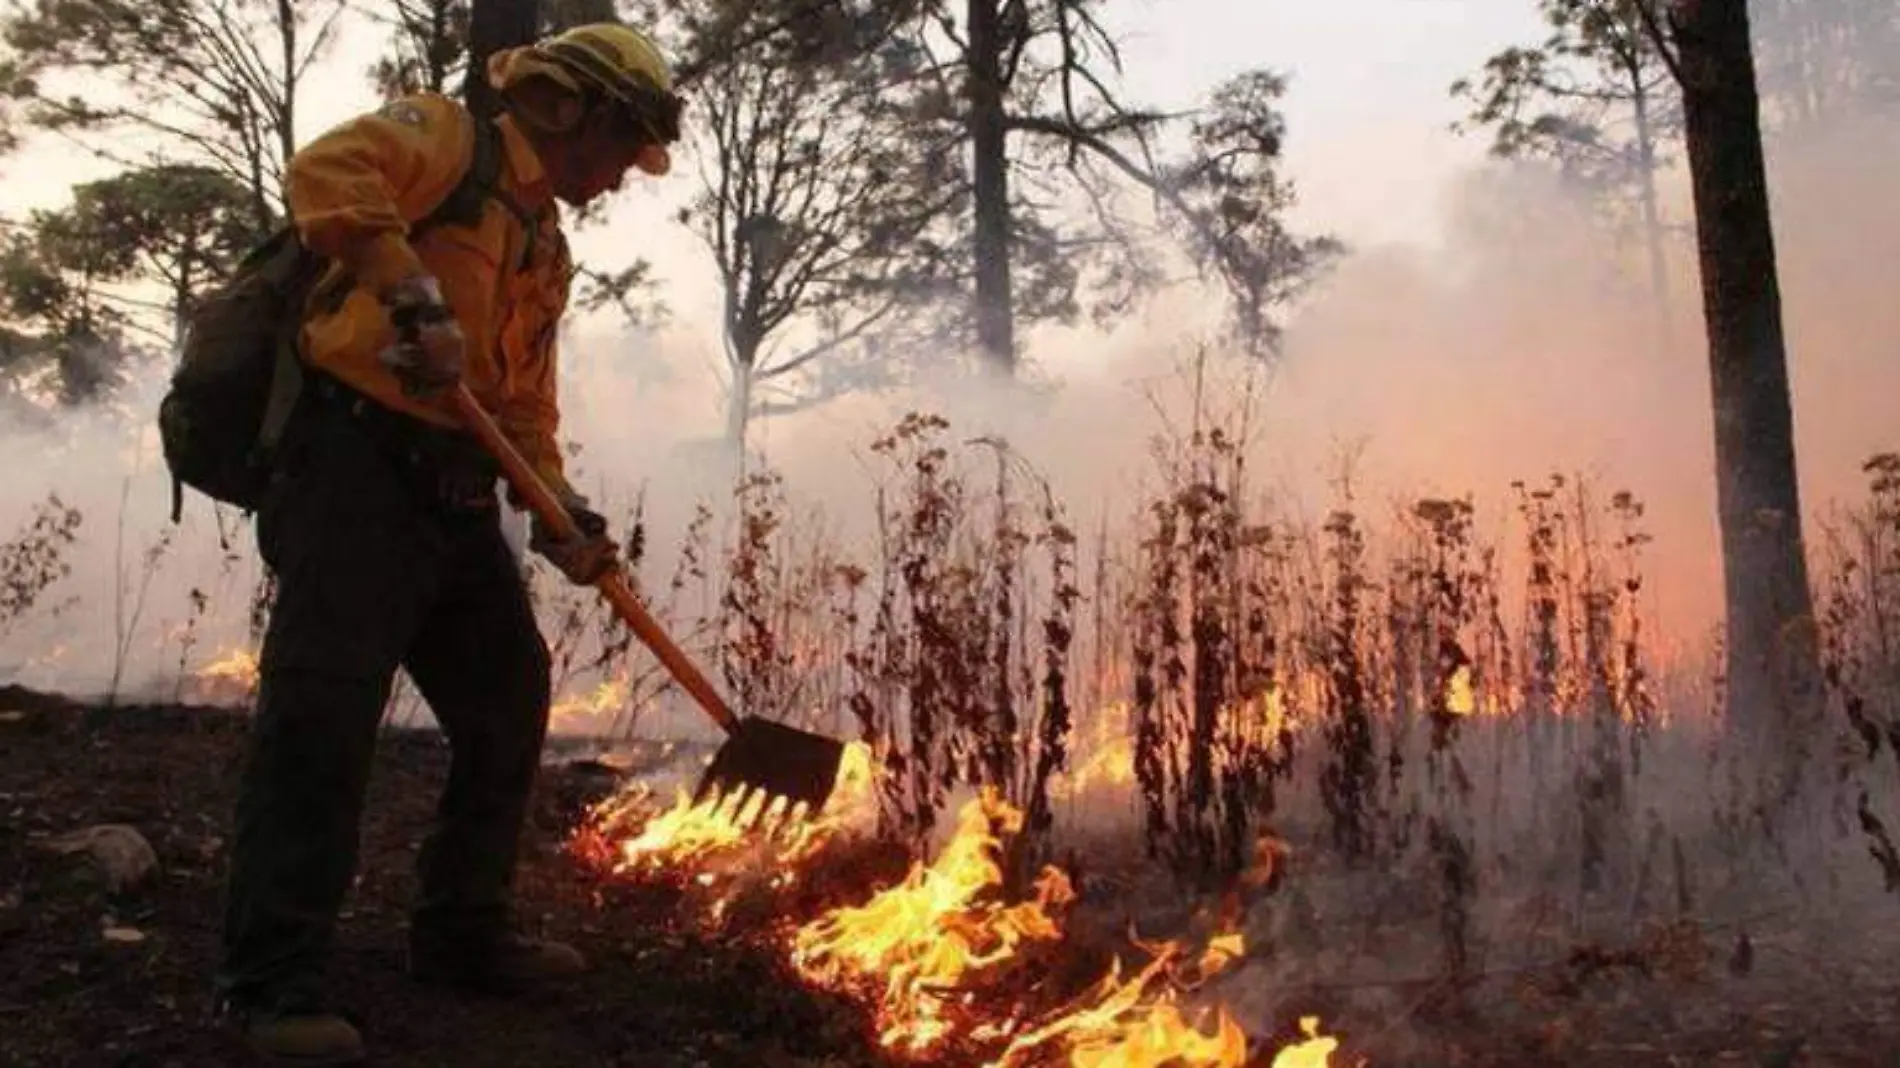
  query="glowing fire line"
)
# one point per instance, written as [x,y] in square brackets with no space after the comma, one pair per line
[931,955]
[724,834]
[1137,1023]
[235,672]
[923,940]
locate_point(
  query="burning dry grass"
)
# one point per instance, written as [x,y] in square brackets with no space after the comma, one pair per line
[1138,1021]
[1427,714]
[944,960]
[230,677]
[1450,730]
[1105,760]
[597,712]
[723,844]
[921,948]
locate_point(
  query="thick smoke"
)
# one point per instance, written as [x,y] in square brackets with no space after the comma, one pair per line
[1525,342]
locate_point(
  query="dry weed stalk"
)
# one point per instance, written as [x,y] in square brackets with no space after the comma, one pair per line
[1860,658]
[198,603]
[960,678]
[34,560]
[1347,646]
[585,639]
[786,611]
[1209,738]
[129,609]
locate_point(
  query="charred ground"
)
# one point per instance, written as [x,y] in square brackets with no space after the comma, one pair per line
[658,995]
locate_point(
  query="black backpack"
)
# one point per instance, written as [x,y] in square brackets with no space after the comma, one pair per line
[240,369]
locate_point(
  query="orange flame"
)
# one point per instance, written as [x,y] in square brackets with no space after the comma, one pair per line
[691,832]
[235,673]
[1315,1051]
[591,713]
[923,940]
[699,839]
[1460,699]
[1138,1023]
[930,953]
[1106,757]
[1110,767]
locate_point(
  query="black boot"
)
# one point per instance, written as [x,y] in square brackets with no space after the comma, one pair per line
[506,965]
[294,1031]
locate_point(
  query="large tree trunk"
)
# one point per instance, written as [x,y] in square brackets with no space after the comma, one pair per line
[995,322]
[1771,652]
[492,26]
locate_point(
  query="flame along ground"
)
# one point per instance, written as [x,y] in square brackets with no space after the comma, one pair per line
[232,673]
[925,950]
[1138,1023]
[594,713]
[1109,764]
[917,946]
[689,832]
[725,841]
[932,955]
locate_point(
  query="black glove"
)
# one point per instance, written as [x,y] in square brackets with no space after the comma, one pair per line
[582,559]
[430,353]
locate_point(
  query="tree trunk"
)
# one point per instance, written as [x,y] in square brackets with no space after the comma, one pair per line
[494,25]
[287,37]
[181,304]
[437,57]
[1772,665]
[1652,211]
[739,404]
[995,322]
[263,201]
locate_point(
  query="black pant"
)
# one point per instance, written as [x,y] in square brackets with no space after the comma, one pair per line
[375,571]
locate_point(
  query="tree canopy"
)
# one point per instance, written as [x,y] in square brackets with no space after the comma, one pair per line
[874,173]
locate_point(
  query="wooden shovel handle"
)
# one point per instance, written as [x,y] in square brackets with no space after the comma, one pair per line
[613,585]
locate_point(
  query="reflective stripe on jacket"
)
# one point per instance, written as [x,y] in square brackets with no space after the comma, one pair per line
[353,194]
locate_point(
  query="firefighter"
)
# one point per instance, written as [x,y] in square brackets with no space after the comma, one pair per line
[382,520]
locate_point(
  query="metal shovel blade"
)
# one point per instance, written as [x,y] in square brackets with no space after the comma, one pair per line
[776,760]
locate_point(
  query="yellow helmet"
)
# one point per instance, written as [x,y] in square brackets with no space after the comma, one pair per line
[619,60]
[614,61]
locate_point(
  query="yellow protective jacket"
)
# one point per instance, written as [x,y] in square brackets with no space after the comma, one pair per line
[353,194]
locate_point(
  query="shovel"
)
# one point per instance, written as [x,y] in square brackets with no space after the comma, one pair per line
[759,754]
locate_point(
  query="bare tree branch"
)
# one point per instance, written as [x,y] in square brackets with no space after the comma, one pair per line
[1660,39]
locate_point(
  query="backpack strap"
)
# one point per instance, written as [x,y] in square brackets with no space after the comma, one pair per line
[464,204]
[480,184]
